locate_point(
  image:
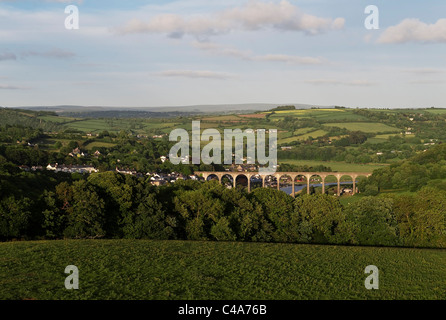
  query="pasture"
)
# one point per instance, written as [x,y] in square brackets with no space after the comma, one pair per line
[165,270]
[336,166]
[368,127]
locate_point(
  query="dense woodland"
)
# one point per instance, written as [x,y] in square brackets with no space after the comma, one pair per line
[110,205]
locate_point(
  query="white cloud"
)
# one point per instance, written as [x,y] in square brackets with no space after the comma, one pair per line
[414,30]
[196,74]
[254,15]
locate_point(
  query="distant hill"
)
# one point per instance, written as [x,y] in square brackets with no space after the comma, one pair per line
[94,111]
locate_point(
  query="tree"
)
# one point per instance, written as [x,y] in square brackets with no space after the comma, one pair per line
[118,192]
[148,221]
[371,221]
[54,218]
[422,218]
[15,215]
[199,210]
[321,215]
[86,215]
[279,209]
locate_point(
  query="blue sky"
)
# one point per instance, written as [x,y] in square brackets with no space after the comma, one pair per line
[172,53]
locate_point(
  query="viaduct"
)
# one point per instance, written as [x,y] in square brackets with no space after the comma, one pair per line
[292,175]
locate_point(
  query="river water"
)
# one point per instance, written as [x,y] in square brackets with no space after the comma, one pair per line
[297,188]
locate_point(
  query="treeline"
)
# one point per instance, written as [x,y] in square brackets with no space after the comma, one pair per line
[109,205]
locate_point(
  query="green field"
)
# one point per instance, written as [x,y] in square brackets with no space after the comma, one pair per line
[314,134]
[113,125]
[380,138]
[57,119]
[336,166]
[319,114]
[372,127]
[162,270]
[436,111]
[98,144]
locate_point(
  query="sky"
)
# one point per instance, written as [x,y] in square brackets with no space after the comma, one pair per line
[139,53]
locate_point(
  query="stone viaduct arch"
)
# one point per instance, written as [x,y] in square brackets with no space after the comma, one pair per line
[292,175]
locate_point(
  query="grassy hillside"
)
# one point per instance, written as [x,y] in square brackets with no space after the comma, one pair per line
[120,269]
[337,166]
[365,127]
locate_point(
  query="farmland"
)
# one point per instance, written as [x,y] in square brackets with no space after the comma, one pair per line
[365,127]
[354,139]
[337,166]
[154,270]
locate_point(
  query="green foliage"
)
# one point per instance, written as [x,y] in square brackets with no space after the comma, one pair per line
[372,221]
[148,221]
[199,210]
[283,108]
[422,218]
[54,218]
[279,208]
[411,174]
[321,214]
[15,216]
[86,215]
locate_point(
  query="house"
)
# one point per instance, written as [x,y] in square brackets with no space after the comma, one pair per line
[70,168]
[129,172]
[158,182]
[81,169]
[163,159]
[154,176]
[52,167]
